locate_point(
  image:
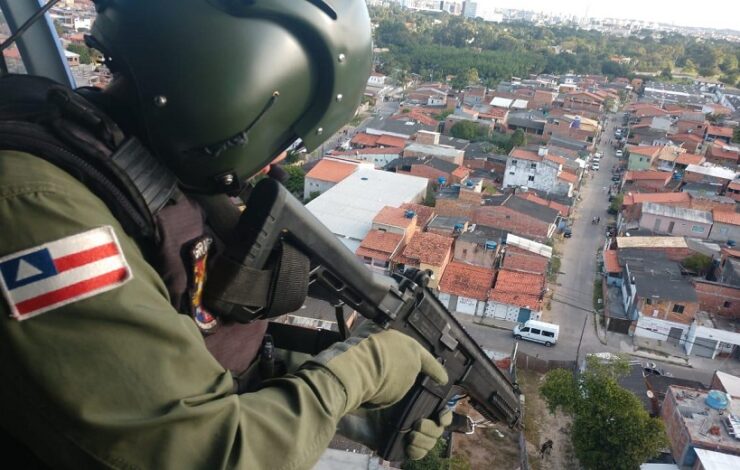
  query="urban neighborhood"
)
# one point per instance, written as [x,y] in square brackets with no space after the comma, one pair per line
[577,222]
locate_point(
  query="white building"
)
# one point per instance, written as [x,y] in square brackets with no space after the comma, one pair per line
[348,208]
[483,9]
[525,168]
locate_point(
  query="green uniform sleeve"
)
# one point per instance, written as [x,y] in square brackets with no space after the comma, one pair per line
[121,380]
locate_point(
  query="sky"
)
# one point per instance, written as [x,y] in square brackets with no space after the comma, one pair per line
[718,14]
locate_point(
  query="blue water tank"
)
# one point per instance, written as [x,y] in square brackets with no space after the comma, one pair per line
[717,400]
[491,245]
[409,214]
[442,180]
[459,227]
[470,183]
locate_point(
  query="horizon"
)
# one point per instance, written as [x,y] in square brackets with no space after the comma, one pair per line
[658,11]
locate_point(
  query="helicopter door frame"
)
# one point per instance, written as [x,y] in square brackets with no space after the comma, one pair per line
[39,46]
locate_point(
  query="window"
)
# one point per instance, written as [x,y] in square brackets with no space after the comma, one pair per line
[525,330]
[533,166]
[513,162]
[512,173]
[531,178]
[548,334]
[648,301]
[727,304]
[367,259]
[535,331]
[678,308]
[697,229]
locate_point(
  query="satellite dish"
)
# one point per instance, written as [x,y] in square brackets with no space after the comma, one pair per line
[650,394]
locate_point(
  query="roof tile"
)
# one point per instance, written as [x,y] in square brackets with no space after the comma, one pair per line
[726,217]
[331,170]
[379,244]
[466,280]
[393,216]
[426,247]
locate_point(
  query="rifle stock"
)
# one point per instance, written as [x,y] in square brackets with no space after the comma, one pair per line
[402,302]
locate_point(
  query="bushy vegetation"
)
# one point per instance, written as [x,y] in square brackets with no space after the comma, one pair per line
[611,430]
[438,45]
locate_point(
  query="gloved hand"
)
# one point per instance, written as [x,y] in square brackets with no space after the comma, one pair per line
[368,426]
[375,368]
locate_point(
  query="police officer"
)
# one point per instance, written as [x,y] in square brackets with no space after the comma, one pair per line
[104,362]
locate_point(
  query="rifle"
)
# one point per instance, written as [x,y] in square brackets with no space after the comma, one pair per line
[402,302]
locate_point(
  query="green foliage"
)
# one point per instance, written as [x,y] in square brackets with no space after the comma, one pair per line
[616,204]
[434,46]
[294,184]
[611,429]
[293,157]
[468,130]
[518,139]
[311,196]
[430,199]
[736,135]
[443,115]
[85,53]
[434,460]
[698,263]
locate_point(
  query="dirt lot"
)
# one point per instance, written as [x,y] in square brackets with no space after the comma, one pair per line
[498,446]
[540,425]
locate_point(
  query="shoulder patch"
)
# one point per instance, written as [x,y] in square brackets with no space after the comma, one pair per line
[61,272]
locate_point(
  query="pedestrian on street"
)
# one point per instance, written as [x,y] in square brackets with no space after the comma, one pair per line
[546,448]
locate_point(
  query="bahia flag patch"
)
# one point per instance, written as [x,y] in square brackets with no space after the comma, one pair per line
[61,272]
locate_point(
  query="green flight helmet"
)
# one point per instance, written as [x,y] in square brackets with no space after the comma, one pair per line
[224,86]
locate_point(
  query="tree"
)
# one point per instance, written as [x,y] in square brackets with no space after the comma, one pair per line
[517,139]
[736,135]
[84,52]
[468,130]
[611,429]
[666,74]
[698,263]
[616,203]
[294,184]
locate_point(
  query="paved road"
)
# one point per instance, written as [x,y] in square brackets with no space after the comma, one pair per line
[573,296]
[572,303]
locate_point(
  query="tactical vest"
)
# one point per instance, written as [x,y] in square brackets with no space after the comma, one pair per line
[177,236]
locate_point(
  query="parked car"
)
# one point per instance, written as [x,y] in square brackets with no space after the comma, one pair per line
[537,331]
[616,178]
[567,233]
[619,153]
[651,368]
[595,166]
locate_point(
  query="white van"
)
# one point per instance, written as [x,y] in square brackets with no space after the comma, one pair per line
[538,331]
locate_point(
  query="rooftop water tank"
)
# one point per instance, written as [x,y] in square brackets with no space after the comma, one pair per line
[491,245]
[717,400]
[409,214]
[442,180]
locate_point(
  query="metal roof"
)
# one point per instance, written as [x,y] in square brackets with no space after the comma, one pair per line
[693,215]
[435,150]
[349,207]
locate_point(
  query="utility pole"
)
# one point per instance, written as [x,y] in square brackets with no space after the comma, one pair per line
[578,349]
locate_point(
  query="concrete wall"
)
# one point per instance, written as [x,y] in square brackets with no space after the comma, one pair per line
[638,162]
[663,310]
[464,305]
[655,328]
[473,253]
[518,174]
[681,228]
[718,298]
[722,232]
[312,185]
[678,437]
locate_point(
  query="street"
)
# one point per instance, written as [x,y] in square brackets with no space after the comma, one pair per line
[572,302]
